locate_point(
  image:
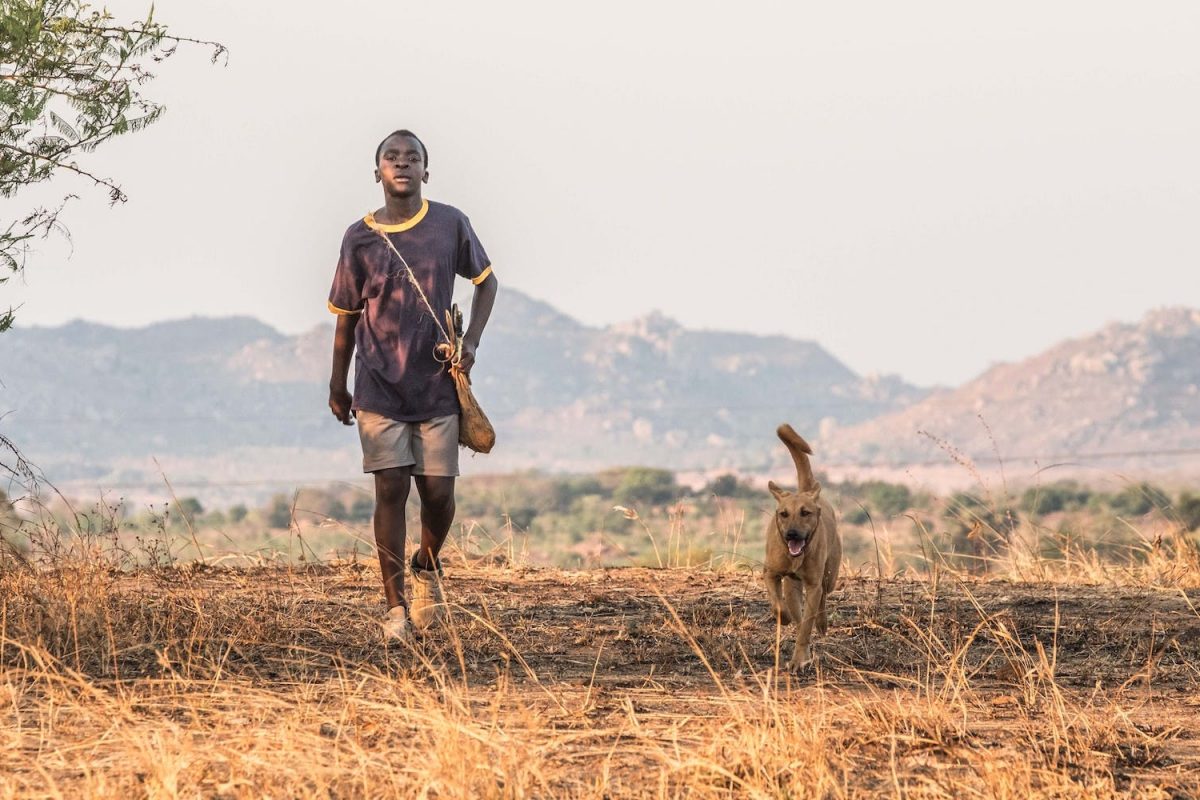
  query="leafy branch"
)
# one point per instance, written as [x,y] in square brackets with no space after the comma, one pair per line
[70,80]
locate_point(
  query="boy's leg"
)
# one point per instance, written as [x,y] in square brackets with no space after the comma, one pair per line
[391,495]
[435,449]
[437,515]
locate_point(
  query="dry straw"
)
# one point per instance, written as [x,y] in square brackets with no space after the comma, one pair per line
[124,674]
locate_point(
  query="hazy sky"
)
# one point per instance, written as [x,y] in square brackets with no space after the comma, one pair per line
[923,188]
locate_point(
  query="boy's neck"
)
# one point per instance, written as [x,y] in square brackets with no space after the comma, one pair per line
[399,209]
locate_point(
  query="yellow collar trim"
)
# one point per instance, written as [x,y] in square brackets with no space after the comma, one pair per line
[399,228]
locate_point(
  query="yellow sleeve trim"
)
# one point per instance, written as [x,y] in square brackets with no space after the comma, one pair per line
[337,310]
[483,276]
[399,227]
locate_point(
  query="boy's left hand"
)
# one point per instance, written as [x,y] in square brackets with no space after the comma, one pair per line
[467,358]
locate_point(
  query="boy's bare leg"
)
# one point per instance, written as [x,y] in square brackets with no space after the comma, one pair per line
[391,495]
[437,515]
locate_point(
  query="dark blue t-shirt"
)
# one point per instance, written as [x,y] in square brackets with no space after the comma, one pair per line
[395,370]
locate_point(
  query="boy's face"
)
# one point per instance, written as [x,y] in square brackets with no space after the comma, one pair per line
[401,167]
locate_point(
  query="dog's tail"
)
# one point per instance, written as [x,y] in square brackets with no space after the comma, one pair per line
[800,452]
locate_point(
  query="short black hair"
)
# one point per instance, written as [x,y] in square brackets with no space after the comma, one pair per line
[403,132]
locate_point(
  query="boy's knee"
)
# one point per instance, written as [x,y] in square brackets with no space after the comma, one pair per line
[437,494]
[391,487]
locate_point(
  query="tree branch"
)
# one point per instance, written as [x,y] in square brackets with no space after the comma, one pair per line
[114,191]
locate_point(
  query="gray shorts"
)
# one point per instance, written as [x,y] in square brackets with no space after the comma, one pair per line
[429,447]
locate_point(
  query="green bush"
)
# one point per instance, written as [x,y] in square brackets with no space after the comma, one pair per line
[1061,496]
[889,499]
[645,486]
[1137,500]
[728,485]
[856,515]
[337,510]
[562,493]
[362,509]
[1189,510]
[279,514]
[190,507]
[522,516]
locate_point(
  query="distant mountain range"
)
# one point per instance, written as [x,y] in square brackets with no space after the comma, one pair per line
[1126,396]
[234,402]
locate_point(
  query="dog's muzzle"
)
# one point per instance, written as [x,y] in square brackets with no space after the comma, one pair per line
[796,542]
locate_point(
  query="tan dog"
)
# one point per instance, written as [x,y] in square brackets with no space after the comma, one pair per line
[804,551]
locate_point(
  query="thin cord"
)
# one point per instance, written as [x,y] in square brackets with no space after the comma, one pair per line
[408,273]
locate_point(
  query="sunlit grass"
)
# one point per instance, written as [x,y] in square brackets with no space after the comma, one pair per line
[136,668]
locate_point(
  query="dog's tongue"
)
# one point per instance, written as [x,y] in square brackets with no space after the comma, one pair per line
[795,547]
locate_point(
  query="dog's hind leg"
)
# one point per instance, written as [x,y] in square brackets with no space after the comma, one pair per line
[828,583]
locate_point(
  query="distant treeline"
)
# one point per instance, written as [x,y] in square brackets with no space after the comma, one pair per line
[578,504]
[523,498]
[623,515]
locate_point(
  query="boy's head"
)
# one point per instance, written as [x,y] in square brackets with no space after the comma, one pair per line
[403,133]
[402,163]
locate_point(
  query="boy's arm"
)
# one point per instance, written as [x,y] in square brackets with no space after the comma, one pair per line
[481,308]
[343,349]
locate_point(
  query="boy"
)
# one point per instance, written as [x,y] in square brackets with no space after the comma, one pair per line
[404,398]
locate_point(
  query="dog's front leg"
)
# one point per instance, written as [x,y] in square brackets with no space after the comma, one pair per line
[802,658]
[793,601]
[778,606]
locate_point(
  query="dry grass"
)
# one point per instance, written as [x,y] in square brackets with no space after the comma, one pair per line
[202,681]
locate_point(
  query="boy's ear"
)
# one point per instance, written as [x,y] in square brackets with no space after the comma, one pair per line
[378,177]
[425,177]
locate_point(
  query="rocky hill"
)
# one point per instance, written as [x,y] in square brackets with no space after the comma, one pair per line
[234,400]
[1124,395]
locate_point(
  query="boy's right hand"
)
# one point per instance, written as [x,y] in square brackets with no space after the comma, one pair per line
[339,404]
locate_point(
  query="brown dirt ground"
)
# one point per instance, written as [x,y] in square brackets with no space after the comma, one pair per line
[608,640]
[612,629]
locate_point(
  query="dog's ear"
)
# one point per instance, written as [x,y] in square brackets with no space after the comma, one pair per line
[774,489]
[815,491]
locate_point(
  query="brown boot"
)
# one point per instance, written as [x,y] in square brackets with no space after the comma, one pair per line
[428,603]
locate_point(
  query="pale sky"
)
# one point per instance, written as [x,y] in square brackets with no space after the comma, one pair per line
[923,188]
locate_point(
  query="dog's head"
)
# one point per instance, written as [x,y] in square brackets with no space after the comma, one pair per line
[797,515]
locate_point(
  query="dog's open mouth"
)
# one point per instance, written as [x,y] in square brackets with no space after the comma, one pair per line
[796,545]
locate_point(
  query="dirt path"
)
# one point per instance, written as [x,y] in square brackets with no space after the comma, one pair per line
[950,673]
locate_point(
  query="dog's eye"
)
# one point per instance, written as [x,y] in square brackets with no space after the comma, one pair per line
[804,512]
[783,515]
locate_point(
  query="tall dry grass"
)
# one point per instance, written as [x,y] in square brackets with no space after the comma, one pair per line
[121,679]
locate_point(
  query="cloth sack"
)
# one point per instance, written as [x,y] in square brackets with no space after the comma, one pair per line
[475,431]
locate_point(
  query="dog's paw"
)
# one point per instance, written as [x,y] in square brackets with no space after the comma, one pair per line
[802,662]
